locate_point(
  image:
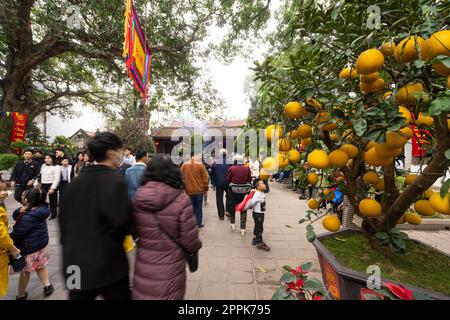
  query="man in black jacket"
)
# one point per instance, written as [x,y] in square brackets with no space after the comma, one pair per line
[24,174]
[93,217]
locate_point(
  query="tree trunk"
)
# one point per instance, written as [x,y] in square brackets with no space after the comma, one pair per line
[435,169]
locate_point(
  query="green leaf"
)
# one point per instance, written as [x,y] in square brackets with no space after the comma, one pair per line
[419,63]
[302,221]
[447,154]
[442,59]
[313,284]
[310,235]
[381,235]
[360,126]
[420,295]
[287,268]
[288,277]
[439,105]
[306,266]
[399,243]
[444,188]
[309,93]
[404,236]
[281,294]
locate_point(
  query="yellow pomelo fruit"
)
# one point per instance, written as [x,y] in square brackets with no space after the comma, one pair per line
[405,94]
[423,207]
[350,163]
[318,159]
[426,50]
[312,178]
[441,205]
[294,134]
[369,78]
[395,140]
[372,158]
[328,195]
[441,69]
[270,164]
[314,103]
[348,134]
[369,61]
[428,193]
[313,204]
[338,158]
[304,131]
[422,120]
[264,175]
[370,145]
[405,114]
[370,208]
[306,142]
[334,137]
[350,150]
[388,48]
[406,131]
[283,161]
[410,178]
[373,87]
[330,126]
[284,144]
[331,223]
[274,129]
[406,49]
[387,95]
[294,110]
[384,151]
[323,117]
[294,156]
[448,82]
[413,218]
[371,177]
[348,73]
[380,185]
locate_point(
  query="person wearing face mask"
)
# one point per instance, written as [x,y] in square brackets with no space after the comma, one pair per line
[93,221]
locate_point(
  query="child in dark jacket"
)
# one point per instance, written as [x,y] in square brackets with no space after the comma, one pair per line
[30,235]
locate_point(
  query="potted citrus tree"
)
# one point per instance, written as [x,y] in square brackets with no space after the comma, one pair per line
[353,97]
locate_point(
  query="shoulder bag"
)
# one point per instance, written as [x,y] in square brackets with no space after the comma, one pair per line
[241,188]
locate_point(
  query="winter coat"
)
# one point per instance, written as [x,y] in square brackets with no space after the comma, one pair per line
[5,245]
[93,221]
[133,177]
[160,271]
[220,171]
[30,232]
[196,180]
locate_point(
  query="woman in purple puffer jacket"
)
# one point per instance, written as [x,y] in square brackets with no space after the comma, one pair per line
[160,207]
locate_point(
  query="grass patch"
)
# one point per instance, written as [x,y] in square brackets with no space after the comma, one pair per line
[419,266]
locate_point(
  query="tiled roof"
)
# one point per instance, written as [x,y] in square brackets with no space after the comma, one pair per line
[166,131]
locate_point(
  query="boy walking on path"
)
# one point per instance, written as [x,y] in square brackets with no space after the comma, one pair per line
[256,201]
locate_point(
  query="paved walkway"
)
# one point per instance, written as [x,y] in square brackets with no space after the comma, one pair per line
[230,267]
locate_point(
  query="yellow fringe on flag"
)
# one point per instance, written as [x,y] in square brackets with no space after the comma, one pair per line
[127,23]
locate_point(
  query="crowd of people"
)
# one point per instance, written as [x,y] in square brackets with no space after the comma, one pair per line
[108,194]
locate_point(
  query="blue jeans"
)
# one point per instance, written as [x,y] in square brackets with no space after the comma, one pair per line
[197,202]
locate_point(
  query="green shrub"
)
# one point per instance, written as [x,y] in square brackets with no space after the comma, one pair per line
[19,145]
[8,160]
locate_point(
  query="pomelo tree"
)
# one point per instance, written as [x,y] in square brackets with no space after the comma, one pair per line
[348,81]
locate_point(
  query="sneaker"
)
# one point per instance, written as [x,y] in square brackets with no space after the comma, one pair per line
[263,246]
[242,232]
[221,218]
[22,298]
[201,226]
[233,226]
[48,290]
[254,242]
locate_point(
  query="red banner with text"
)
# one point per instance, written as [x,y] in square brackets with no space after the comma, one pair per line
[19,127]
[420,142]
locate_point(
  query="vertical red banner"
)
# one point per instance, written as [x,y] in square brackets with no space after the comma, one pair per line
[420,142]
[19,127]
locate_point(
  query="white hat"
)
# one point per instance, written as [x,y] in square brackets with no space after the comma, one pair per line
[238,158]
[223,152]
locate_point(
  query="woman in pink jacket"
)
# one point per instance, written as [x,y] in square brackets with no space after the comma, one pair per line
[163,213]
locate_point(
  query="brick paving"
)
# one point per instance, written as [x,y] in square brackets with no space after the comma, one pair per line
[230,267]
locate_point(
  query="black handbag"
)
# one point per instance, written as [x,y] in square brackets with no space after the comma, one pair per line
[18,263]
[241,188]
[191,258]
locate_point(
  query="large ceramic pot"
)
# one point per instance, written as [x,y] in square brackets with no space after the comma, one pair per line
[344,283]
